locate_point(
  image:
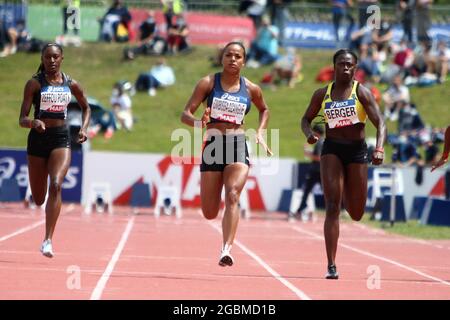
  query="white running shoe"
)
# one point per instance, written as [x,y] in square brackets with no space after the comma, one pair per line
[47,249]
[225,257]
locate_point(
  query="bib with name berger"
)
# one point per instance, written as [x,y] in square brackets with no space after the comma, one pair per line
[343,113]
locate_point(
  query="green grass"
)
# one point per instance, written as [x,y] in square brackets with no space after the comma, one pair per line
[411,228]
[98,66]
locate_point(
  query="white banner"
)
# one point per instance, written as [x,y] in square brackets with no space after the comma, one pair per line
[267,177]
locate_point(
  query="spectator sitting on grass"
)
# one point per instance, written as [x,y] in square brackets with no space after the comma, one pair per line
[286,68]
[160,75]
[121,105]
[264,49]
[177,36]
[150,43]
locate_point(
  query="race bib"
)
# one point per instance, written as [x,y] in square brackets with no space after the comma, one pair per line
[341,113]
[228,108]
[55,99]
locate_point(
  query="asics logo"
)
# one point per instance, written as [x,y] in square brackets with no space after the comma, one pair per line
[7,167]
[336,104]
[55,89]
[229,97]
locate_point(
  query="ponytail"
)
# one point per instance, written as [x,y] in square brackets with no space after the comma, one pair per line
[41,69]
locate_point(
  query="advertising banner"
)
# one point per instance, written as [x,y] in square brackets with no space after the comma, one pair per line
[321,35]
[13,164]
[121,171]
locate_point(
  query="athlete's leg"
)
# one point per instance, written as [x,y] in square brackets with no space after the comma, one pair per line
[211,183]
[234,177]
[58,164]
[332,175]
[38,174]
[355,189]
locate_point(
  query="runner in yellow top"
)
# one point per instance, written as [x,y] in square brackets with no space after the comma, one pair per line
[346,104]
[344,112]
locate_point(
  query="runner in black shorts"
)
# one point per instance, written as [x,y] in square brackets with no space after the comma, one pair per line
[48,147]
[343,164]
[225,157]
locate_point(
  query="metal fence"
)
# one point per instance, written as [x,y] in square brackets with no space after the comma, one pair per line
[297,10]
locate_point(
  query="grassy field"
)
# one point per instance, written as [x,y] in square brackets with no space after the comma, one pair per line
[411,228]
[98,66]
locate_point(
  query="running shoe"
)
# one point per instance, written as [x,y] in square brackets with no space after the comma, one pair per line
[225,258]
[47,249]
[332,272]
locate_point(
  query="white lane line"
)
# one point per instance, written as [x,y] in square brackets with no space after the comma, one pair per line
[69,208]
[366,253]
[299,293]
[22,230]
[97,292]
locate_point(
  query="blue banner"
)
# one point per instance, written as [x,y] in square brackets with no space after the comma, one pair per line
[13,164]
[321,35]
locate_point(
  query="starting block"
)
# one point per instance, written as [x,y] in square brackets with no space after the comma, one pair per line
[99,198]
[168,201]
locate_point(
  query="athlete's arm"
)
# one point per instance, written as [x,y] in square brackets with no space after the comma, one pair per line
[446,151]
[311,112]
[201,91]
[24,121]
[77,91]
[374,114]
[258,100]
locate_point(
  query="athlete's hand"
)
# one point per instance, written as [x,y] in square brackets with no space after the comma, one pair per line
[377,157]
[260,140]
[440,163]
[205,117]
[82,136]
[312,138]
[38,125]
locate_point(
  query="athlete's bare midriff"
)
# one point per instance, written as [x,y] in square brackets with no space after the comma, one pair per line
[51,123]
[351,133]
[216,128]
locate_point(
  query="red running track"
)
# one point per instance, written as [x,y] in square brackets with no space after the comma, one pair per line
[138,256]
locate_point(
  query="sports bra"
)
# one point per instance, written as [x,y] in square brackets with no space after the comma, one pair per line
[343,113]
[226,106]
[52,100]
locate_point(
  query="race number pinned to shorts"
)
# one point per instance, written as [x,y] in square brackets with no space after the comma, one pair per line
[229,108]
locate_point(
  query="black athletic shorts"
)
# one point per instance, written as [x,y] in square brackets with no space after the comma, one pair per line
[347,151]
[42,144]
[221,150]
